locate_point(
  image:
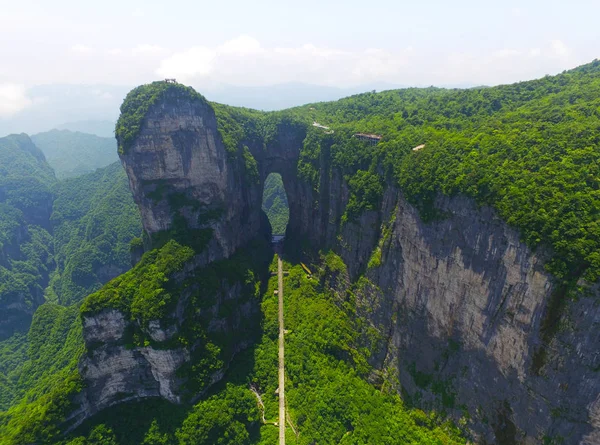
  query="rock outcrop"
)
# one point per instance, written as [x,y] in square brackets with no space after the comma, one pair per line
[126,361]
[179,172]
[460,303]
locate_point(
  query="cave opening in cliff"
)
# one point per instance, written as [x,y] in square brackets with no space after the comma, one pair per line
[275,203]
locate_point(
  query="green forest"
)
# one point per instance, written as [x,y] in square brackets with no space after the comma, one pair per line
[329,398]
[528,150]
[275,203]
[94,219]
[62,239]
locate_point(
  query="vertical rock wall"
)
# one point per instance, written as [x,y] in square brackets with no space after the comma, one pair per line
[458,302]
[180,172]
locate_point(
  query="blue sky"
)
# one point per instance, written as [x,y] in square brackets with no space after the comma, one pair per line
[264,42]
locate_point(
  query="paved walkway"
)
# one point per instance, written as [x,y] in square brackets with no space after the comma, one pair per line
[281,356]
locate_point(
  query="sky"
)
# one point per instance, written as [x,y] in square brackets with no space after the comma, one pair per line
[347,43]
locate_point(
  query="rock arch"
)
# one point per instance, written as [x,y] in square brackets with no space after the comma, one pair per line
[181,173]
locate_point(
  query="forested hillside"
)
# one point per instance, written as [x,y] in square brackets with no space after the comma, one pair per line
[105,129]
[330,400]
[26,261]
[77,231]
[59,241]
[275,203]
[94,219]
[528,149]
[71,153]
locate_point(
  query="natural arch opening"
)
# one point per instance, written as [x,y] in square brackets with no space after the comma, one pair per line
[275,203]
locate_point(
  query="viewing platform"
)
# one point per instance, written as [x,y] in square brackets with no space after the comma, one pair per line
[372,139]
[327,129]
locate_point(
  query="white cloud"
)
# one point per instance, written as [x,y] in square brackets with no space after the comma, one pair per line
[81,49]
[12,99]
[147,49]
[559,48]
[244,61]
[505,65]
[194,62]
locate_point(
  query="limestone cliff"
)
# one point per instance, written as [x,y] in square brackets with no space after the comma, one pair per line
[179,355]
[462,306]
[180,173]
[461,303]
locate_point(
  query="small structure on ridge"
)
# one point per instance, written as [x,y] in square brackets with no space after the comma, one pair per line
[372,139]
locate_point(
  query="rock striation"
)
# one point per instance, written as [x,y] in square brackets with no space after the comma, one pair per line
[461,303]
[126,361]
[179,172]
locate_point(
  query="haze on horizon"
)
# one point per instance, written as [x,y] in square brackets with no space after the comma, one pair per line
[342,44]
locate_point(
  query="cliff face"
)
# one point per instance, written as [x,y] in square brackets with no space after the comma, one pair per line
[114,371]
[179,172]
[177,357]
[460,303]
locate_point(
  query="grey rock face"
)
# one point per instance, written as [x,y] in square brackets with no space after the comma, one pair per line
[116,370]
[178,167]
[459,303]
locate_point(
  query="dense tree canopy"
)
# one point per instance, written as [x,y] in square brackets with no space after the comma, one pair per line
[26,194]
[530,150]
[94,219]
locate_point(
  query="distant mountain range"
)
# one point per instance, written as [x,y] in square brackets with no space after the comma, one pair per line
[105,129]
[73,154]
